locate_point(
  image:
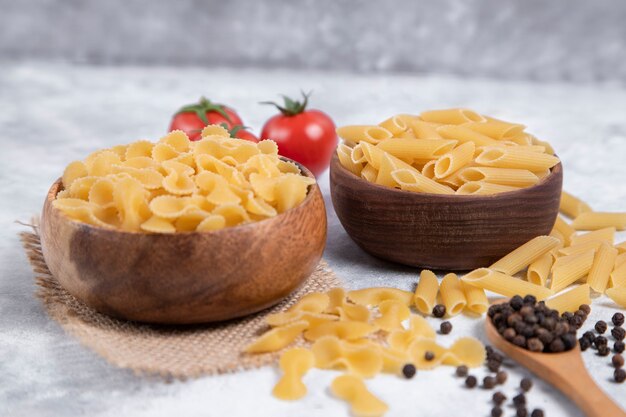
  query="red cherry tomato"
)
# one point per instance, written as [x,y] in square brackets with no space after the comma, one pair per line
[306,136]
[192,118]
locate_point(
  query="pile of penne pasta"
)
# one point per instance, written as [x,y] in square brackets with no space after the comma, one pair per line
[567,267]
[454,151]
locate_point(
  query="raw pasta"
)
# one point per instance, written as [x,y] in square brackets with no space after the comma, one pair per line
[599,220]
[572,206]
[475,298]
[539,270]
[364,360]
[362,402]
[444,151]
[177,185]
[526,254]
[571,269]
[294,363]
[426,292]
[452,294]
[503,284]
[617,294]
[601,268]
[570,300]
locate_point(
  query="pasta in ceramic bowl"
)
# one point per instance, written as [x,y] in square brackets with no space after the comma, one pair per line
[183,232]
[447,189]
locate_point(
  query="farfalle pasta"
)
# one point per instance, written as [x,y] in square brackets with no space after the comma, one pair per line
[453,151]
[176,185]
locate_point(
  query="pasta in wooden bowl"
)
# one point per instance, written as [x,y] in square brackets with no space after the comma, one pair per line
[183,232]
[448,189]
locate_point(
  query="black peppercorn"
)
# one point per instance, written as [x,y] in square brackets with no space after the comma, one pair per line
[535,345]
[601,326]
[584,343]
[521,412]
[604,350]
[618,319]
[409,370]
[556,346]
[617,360]
[537,412]
[493,366]
[619,346]
[526,384]
[600,341]
[530,299]
[496,412]
[498,398]
[516,302]
[445,327]
[471,381]
[429,356]
[619,375]
[439,311]
[519,400]
[501,377]
[589,335]
[586,308]
[618,333]
[569,340]
[519,340]
[489,382]
[462,370]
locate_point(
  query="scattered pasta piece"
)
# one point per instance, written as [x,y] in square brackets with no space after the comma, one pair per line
[392,314]
[294,363]
[617,294]
[570,300]
[596,220]
[426,292]
[348,330]
[362,402]
[452,294]
[364,360]
[375,296]
[277,338]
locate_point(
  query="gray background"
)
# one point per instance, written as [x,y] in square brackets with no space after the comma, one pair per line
[546,40]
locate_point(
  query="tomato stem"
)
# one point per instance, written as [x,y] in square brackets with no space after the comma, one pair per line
[202,107]
[291,107]
[236,128]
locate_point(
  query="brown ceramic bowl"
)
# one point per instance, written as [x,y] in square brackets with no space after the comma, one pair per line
[447,232]
[189,277]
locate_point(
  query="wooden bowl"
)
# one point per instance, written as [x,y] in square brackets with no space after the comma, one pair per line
[447,232]
[183,278]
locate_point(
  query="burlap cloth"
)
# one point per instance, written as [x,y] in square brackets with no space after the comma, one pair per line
[169,351]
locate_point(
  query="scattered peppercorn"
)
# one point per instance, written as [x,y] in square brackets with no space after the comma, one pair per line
[526,384]
[409,370]
[586,308]
[584,343]
[618,319]
[519,400]
[601,326]
[501,377]
[537,412]
[589,335]
[445,327]
[489,382]
[617,360]
[604,350]
[521,412]
[618,333]
[462,370]
[429,356]
[471,381]
[498,398]
[439,311]
[493,366]
[496,412]
[619,346]
[619,375]
[600,341]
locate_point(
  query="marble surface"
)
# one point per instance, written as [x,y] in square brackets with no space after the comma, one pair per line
[578,40]
[52,114]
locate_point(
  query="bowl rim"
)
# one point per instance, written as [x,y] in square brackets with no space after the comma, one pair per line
[336,164]
[309,196]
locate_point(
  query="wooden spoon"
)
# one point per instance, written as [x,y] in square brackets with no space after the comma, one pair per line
[566,371]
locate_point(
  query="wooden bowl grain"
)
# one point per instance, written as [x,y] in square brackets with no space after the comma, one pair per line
[443,232]
[185,278]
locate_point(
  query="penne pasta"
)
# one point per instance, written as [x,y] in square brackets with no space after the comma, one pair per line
[426,292]
[476,298]
[539,270]
[413,180]
[360,133]
[496,129]
[620,259]
[526,254]
[618,295]
[593,245]
[599,220]
[502,176]
[424,130]
[428,170]
[618,276]
[395,124]
[569,269]
[572,206]
[345,157]
[570,300]
[621,247]
[369,173]
[564,229]
[417,150]
[387,166]
[503,284]
[510,157]
[464,135]
[548,148]
[555,233]
[483,188]
[452,294]
[605,235]
[451,116]
[602,267]
[454,160]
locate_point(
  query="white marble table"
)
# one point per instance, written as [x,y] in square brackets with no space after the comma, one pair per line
[51,114]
